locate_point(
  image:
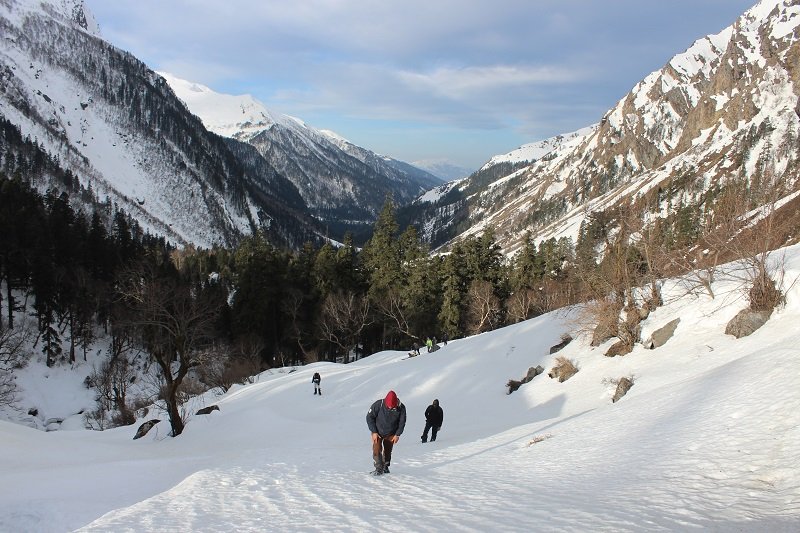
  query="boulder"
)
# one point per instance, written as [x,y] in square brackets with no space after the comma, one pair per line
[144,428]
[623,386]
[513,384]
[207,410]
[532,373]
[566,339]
[660,336]
[618,348]
[746,322]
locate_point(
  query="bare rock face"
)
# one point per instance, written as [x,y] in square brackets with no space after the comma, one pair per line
[660,336]
[746,322]
[623,386]
[144,428]
[207,410]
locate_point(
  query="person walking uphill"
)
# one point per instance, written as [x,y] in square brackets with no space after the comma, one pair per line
[316,380]
[386,419]
[434,416]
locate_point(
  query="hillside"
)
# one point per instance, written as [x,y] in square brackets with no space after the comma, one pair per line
[708,438]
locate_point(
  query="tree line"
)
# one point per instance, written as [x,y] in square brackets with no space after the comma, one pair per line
[225,314]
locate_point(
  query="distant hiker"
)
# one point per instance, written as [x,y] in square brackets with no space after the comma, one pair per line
[316,380]
[444,339]
[414,349]
[429,344]
[386,420]
[434,416]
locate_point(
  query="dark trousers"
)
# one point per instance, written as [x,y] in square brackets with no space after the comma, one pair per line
[382,450]
[434,430]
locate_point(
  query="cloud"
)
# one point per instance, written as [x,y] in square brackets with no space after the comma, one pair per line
[463,83]
[534,68]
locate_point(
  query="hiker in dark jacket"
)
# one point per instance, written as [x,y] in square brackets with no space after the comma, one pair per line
[386,420]
[434,416]
[316,380]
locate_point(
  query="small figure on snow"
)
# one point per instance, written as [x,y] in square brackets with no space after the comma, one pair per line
[316,380]
[429,344]
[386,420]
[414,349]
[434,416]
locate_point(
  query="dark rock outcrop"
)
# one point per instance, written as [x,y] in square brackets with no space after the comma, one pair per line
[144,428]
[207,410]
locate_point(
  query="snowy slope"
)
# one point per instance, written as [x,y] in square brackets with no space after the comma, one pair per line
[708,438]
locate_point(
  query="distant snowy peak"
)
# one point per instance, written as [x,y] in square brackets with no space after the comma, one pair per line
[224,114]
[534,151]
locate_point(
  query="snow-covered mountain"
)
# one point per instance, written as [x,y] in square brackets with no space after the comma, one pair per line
[118,127]
[337,179]
[725,109]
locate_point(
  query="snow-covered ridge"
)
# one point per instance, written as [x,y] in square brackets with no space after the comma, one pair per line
[536,150]
[224,114]
[74,11]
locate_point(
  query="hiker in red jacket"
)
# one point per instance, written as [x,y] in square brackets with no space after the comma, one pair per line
[386,420]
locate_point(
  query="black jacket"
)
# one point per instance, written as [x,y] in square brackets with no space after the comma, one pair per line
[316,378]
[385,421]
[434,415]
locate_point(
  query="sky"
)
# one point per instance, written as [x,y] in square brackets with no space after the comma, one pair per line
[419,80]
[707,439]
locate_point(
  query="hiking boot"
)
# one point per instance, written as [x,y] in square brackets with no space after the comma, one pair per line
[424,440]
[386,468]
[379,465]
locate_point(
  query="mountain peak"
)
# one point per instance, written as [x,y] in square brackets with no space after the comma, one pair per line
[224,114]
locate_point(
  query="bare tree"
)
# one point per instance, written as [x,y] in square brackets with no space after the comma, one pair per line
[111,382]
[392,306]
[520,305]
[175,325]
[344,316]
[12,356]
[483,307]
[292,305]
[745,231]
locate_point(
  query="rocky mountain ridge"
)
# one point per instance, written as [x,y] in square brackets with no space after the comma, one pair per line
[725,109]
